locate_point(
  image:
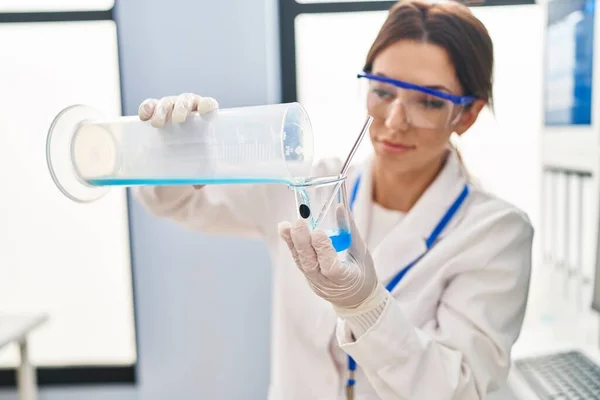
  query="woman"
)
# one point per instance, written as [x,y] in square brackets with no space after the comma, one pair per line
[433,294]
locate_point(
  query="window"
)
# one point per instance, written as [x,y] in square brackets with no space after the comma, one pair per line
[71,261]
[55,5]
[289,10]
[335,1]
[328,88]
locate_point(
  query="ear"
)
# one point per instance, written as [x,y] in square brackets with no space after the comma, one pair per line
[469,116]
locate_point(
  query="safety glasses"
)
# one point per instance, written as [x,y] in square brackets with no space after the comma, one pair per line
[423,107]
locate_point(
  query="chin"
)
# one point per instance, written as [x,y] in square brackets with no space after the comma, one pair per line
[393,161]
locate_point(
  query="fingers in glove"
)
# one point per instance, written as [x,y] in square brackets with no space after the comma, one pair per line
[307,256]
[326,255]
[286,234]
[184,104]
[206,105]
[163,111]
[146,109]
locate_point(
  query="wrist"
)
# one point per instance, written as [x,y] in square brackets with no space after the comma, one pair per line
[378,296]
[363,317]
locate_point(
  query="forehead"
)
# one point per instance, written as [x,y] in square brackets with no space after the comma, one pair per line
[419,63]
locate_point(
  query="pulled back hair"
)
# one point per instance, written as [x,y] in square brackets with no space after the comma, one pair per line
[450,25]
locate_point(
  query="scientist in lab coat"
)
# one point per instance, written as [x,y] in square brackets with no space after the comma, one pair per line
[432,296]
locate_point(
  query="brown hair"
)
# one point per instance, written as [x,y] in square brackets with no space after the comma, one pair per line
[450,25]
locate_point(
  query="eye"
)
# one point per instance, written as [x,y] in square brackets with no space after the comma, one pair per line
[433,103]
[382,93]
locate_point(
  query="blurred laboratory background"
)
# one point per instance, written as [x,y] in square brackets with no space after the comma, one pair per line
[104,301]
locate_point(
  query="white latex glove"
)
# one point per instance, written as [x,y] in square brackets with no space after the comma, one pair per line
[176,108]
[347,283]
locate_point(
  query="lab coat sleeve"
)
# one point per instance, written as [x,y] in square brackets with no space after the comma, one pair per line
[239,210]
[465,352]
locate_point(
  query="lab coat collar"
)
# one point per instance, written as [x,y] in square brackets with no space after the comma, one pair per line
[406,241]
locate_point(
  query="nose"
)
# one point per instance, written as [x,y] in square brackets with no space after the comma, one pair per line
[396,117]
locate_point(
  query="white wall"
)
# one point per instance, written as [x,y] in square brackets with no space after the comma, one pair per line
[503,148]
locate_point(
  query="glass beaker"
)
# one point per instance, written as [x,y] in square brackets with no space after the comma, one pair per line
[322,202]
[87,154]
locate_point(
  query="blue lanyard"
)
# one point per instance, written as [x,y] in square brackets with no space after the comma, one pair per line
[429,244]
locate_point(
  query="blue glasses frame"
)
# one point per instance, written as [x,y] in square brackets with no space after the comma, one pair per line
[459,100]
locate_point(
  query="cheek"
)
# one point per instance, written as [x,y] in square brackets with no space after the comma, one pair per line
[427,141]
[432,141]
[376,128]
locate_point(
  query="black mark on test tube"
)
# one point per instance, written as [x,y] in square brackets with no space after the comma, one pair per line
[304,211]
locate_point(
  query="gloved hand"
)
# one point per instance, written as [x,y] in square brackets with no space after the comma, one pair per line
[346,284]
[176,108]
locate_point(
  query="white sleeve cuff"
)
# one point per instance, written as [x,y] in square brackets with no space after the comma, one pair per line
[361,318]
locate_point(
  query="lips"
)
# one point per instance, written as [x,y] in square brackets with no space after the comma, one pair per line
[395,147]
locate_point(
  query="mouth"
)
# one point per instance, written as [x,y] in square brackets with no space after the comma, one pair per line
[395,147]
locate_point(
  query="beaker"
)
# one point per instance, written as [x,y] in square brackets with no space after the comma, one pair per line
[322,203]
[87,154]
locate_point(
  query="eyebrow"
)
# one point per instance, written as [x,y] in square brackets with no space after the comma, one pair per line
[434,87]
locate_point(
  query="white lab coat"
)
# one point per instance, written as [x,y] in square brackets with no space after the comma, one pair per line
[446,333]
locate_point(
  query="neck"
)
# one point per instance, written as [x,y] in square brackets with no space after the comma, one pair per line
[400,191]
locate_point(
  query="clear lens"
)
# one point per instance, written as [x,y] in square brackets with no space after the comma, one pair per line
[421,110]
[427,111]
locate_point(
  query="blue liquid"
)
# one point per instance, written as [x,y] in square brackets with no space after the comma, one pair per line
[178,181]
[340,239]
